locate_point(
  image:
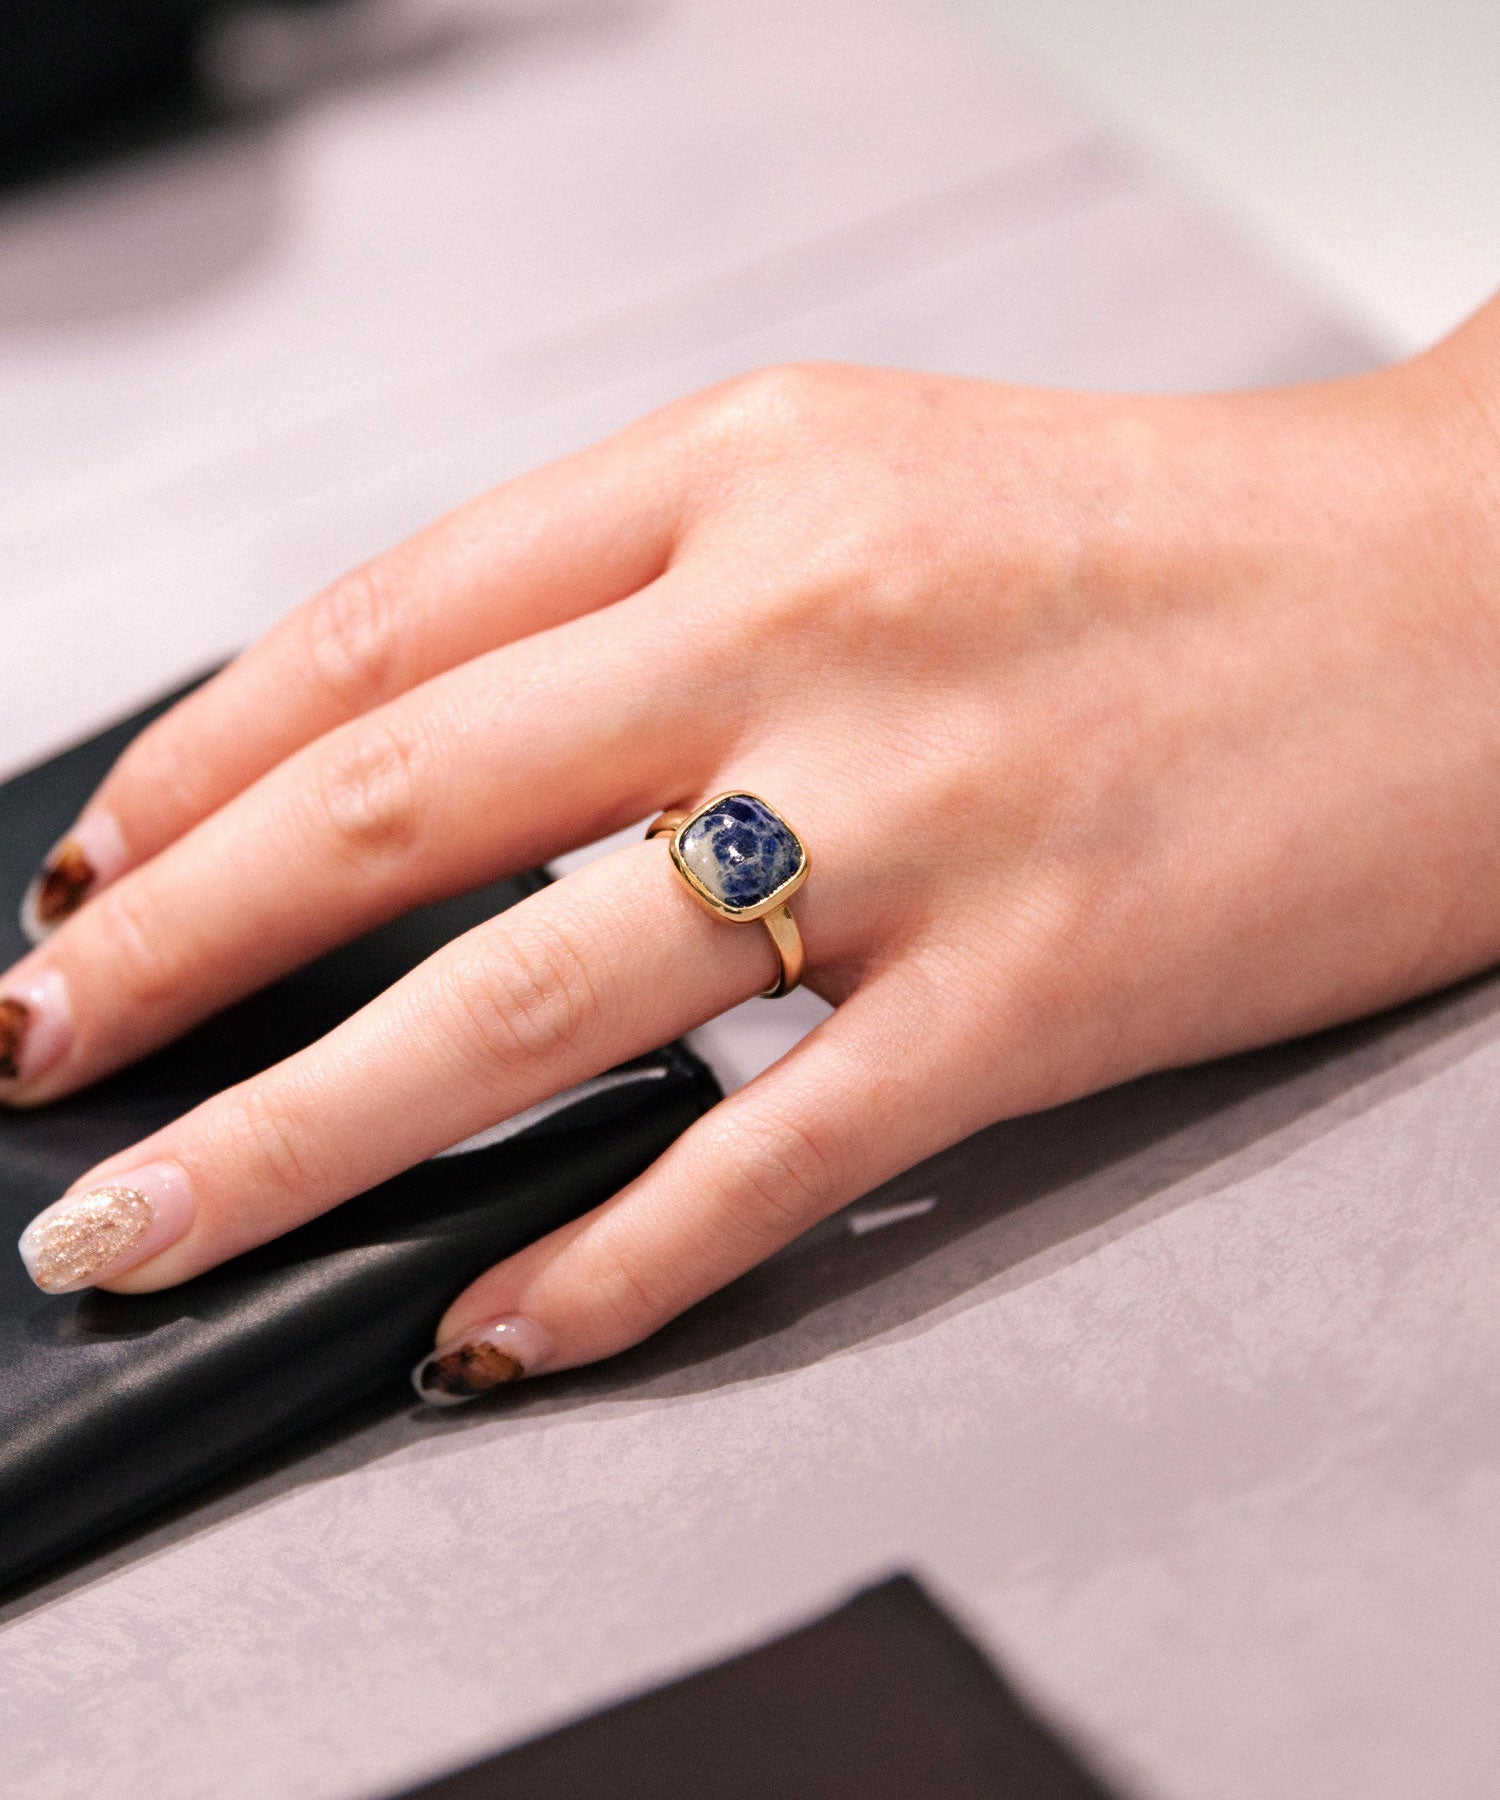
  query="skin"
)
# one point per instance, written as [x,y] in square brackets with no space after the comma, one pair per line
[1124,732]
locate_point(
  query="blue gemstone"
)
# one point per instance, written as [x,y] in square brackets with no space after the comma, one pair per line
[741,851]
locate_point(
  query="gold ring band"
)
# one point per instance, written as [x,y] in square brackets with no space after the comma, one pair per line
[740,859]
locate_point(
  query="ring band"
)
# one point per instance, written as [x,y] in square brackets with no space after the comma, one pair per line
[739,858]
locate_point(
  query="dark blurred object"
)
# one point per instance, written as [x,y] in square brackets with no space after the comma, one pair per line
[885,1699]
[81,78]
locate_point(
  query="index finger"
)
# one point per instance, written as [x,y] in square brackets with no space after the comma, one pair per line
[566,539]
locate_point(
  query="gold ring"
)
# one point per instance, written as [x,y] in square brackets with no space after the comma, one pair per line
[741,860]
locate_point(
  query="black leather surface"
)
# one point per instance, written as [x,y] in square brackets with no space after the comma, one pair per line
[111,1404]
[884,1699]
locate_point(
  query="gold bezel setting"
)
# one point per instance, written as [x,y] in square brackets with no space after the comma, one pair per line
[738,915]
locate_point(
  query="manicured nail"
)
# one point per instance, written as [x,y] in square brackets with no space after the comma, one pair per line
[88,858]
[487,1357]
[36,1027]
[108,1229]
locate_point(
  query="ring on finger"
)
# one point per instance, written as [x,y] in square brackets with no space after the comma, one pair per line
[738,857]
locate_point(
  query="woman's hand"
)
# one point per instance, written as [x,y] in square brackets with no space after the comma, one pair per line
[1122,733]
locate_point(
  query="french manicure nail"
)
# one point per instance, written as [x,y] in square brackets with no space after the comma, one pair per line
[108,1229]
[487,1357]
[36,1027]
[88,858]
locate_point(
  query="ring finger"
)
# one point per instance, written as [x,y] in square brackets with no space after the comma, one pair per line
[599,968]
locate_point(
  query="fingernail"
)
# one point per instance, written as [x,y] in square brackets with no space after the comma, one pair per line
[108,1229]
[36,1027]
[487,1357]
[88,858]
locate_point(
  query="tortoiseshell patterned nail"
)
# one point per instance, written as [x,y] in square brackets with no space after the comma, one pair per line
[36,1030]
[15,1019]
[469,1370]
[88,858]
[63,885]
[488,1357]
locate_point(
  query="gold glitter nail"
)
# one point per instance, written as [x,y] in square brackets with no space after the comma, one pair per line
[78,1242]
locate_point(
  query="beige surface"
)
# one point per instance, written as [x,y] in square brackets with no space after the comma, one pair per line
[1184,1398]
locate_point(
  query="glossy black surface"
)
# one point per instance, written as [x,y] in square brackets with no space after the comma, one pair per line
[111,1404]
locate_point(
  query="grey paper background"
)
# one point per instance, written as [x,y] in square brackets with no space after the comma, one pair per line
[1184,1398]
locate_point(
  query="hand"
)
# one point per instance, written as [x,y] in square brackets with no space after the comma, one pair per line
[1123,733]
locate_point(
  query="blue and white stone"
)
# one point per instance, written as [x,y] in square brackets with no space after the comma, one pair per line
[740,851]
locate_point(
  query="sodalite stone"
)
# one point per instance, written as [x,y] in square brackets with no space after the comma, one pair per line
[740,851]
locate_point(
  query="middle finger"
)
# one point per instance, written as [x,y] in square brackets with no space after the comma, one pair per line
[494,766]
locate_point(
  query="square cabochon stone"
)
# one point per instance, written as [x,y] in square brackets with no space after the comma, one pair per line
[741,851]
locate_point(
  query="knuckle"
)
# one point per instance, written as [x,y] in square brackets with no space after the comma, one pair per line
[527,1000]
[144,970]
[757,413]
[368,786]
[630,1292]
[783,1178]
[270,1138]
[153,765]
[786,393]
[352,637]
